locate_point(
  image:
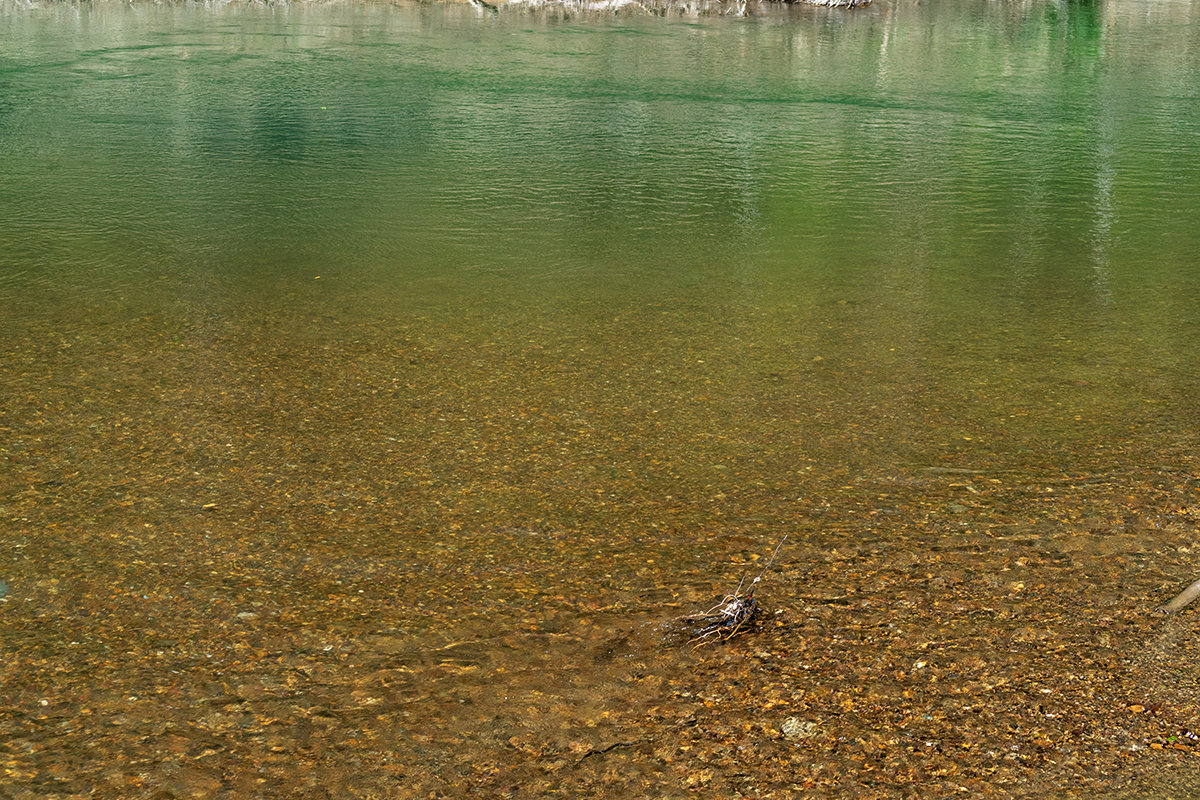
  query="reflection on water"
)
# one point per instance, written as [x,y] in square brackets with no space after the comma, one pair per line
[826,147]
[378,378]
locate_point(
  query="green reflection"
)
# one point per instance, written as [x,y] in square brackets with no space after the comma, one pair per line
[967,201]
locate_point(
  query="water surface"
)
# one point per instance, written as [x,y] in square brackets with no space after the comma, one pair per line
[397,369]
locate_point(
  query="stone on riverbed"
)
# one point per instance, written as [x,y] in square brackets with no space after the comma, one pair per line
[796,728]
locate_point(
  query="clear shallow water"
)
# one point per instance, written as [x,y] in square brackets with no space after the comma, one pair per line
[457,346]
[980,198]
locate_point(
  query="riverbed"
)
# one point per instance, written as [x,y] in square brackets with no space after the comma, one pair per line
[382,382]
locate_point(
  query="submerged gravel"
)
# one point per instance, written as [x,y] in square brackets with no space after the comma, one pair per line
[253,561]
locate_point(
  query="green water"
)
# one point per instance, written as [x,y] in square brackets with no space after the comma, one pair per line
[973,203]
[435,325]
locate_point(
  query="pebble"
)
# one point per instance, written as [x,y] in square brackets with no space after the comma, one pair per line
[796,728]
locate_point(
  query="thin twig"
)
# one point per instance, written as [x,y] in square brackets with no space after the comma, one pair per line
[769,563]
[601,750]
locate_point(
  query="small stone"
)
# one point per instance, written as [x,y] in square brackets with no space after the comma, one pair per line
[247,615]
[796,728]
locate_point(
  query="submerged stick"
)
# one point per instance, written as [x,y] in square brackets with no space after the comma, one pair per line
[1182,599]
[735,613]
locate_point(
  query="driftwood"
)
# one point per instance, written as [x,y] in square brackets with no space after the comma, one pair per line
[734,615]
[1182,599]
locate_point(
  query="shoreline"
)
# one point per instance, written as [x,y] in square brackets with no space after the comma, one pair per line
[660,8]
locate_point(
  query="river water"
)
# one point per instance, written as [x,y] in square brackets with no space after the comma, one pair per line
[378,379]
